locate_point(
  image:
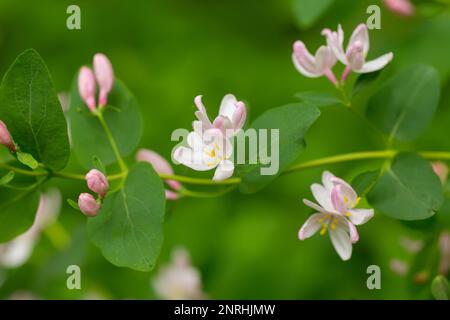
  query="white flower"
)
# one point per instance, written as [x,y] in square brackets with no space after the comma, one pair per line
[354,57]
[314,66]
[16,252]
[207,150]
[179,280]
[335,212]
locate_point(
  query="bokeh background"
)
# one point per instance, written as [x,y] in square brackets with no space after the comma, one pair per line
[167,52]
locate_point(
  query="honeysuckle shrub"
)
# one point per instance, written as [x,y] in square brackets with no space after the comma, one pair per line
[126,205]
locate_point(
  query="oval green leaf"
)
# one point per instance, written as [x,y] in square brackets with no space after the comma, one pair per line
[408,190]
[405,105]
[129,227]
[30,108]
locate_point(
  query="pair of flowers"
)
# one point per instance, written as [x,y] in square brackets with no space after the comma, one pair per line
[326,57]
[336,213]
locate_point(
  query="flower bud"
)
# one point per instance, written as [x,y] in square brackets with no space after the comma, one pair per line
[400,7]
[97,182]
[441,170]
[104,75]
[88,205]
[86,87]
[5,137]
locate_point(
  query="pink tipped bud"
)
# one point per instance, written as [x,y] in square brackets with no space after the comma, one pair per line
[239,115]
[441,169]
[400,7]
[97,182]
[159,164]
[105,76]
[86,87]
[88,205]
[170,195]
[5,137]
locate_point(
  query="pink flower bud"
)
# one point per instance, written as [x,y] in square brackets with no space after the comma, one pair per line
[441,169]
[86,87]
[5,137]
[88,205]
[97,182]
[105,76]
[401,7]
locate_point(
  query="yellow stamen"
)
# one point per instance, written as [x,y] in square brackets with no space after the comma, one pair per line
[348,214]
[324,229]
[357,201]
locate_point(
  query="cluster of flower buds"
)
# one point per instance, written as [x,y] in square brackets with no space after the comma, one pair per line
[353,57]
[103,73]
[96,182]
[5,137]
[161,166]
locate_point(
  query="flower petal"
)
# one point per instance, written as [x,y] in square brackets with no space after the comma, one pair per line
[360,35]
[201,113]
[327,180]
[341,242]
[376,64]
[314,206]
[311,226]
[325,59]
[354,236]
[304,61]
[335,41]
[322,196]
[228,106]
[190,159]
[224,170]
[360,216]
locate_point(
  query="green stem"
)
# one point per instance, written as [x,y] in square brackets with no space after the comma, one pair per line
[112,141]
[347,157]
[199,194]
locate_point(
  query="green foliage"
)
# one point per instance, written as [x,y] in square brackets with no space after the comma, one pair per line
[122,117]
[319,99]
[292,121]
[307,12]
[27,159]
[7,178]
[405,105]
[365,181]
[408,190]
[129,227]
[364,81]
[31,109]
[440,288]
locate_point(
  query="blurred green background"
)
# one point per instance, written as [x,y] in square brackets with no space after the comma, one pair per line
[167,52]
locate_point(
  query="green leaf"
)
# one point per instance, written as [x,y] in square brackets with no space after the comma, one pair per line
[292,121]
[440,288]
[319,99]
[73,204]
[123,119]
[7,178]
[405,105]
[98,164]
[129,227]
[27,159]
[31,109]
[408,190]
[364,182]
[307,12]
[364,80]
[18,207]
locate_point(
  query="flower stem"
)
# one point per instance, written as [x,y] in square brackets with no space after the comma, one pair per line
[199,194]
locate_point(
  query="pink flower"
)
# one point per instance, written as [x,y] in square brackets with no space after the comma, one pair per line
[5,137]
[88,205]
[87,87]
[105,76]
[355,55]
[161,166]
[444,247]
[400,7]
[441,169]
[86,81]
[231,118]
[335,212]
[314,66]
[97,182]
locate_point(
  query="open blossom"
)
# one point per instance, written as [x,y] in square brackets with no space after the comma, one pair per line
[354,57]
[161,166]
[5,137]
[179,280]
[314,66]
[441,170]
[231,118]
[97,182]
[17,251]
[88,205]
[207,150]
[401,7]
[104,74]
[336,213]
